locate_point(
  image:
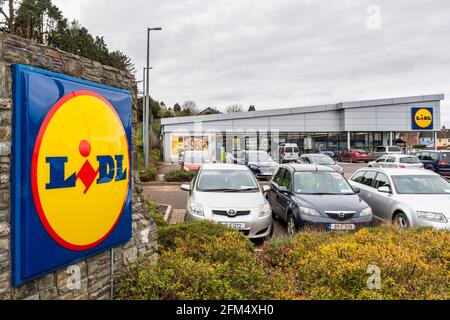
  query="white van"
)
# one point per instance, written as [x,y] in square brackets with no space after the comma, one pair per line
[289,152]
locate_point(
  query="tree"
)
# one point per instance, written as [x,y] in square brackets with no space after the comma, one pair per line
[177,108]
[251,108]
[234,108]
[189,108]
[8,24]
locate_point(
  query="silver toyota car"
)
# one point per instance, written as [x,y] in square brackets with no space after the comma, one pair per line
[230,194]
[405,197]
[401,161]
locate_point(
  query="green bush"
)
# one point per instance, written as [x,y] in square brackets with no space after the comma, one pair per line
[155,156]
[180,176]
[155,215]
[148,174]
[414,263]
[201,260]
[219,266]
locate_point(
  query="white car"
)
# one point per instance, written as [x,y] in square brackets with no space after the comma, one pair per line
[400,161]
[230,194]
[289,152]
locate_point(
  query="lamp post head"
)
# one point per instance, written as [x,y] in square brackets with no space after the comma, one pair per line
[155,29]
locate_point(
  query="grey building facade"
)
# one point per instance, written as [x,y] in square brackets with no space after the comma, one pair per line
[335,127]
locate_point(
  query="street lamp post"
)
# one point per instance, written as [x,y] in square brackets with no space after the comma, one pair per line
[147,116]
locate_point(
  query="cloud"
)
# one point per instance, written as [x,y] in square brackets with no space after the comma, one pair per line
[282,53]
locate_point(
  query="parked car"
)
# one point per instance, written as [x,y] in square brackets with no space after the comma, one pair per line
[260,163]
[288,152]
[397,161]
[436,161]
[321,159]
[229,194]
[316,195]
[331,154]
[405,197]
[355,155]
[386,150]
[193,159]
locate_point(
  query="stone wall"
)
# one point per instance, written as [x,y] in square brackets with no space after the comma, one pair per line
[95,272]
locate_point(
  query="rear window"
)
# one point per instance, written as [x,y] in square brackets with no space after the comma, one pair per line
[409,160]
[296,150]
[445,157]
[380,149]
[288,150]
[360,151]
[395,149]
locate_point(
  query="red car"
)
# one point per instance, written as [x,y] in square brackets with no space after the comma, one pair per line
[193,159]
[356,155]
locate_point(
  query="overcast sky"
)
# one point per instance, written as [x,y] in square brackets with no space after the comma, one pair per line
[283,53]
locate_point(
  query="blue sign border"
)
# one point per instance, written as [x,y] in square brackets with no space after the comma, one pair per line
[413,120]
[23,139]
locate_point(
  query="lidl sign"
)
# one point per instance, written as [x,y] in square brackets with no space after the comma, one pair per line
[71,179]
[422,118]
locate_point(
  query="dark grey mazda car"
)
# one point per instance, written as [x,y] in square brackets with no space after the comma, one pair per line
[302,194]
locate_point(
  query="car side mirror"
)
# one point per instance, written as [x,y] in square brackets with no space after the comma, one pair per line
[384,189]
[186,187]
[284,190]
[356,190]
[266,188]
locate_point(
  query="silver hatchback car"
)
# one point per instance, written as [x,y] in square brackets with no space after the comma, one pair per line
[405,197]
[230,194]
[401,161]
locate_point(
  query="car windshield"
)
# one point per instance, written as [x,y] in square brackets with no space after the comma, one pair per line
[258,157]
[323,160]
[359,151]
[196,157]
[321,183]
[411,160]
[226,181]
[417,184]
[394,149]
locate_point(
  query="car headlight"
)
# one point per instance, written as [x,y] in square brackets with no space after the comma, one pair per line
[264,210]
[310,212]
[431,216]
[366,212]
[197,209]
[252,166]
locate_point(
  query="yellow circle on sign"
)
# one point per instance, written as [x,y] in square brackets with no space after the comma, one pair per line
[79,128]
[423,118]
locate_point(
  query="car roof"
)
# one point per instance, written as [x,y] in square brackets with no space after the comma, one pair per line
[298,167]
[315,154]
[224,166]
[400,172]
[398,155]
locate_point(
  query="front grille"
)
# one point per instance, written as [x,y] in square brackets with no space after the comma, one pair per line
[340,215]
[226,213]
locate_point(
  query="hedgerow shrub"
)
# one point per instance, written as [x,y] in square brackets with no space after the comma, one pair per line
[414,264]
[180,176]
[148,174]
[202,260]
[220,266]
[155,215]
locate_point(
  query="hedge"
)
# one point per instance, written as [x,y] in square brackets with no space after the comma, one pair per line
[147,175]
[208,261]
[180,176]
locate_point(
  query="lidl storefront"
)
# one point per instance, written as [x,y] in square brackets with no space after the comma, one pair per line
[336,127]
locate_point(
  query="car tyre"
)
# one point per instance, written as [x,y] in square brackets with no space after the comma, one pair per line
[291,227]
[401,221]
[430,167]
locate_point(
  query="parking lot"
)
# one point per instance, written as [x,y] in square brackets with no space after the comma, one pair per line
[171,194]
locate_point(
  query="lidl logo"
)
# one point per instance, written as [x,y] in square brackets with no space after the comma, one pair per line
[422,118]
[70,171]
[80,170]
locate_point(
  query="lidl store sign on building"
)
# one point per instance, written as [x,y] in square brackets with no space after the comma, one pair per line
[71,176]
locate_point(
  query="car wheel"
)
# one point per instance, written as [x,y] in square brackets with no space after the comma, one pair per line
[291,227]
[401,221]
[430,167]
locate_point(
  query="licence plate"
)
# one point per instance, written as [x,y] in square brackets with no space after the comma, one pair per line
[237,226]
[341,227]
